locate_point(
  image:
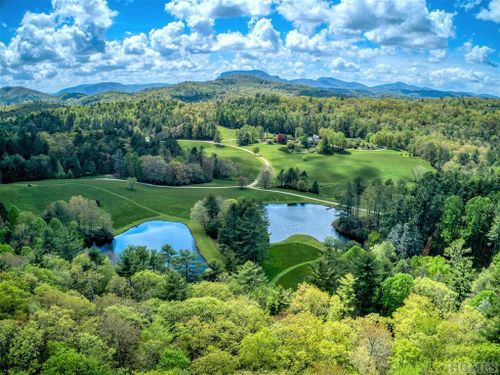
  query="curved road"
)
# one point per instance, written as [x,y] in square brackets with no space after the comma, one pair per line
[253,185]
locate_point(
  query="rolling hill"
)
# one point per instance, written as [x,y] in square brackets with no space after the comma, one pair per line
[236,82]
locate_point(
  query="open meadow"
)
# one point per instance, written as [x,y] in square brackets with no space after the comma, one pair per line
[331,171]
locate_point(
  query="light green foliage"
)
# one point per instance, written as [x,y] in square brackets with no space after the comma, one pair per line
[346,292]
[439,294]
[173,359]
[131,183]
[217,290]
[395,289]
[433,267]
[216,362]
[69,361]
[13,300]
[308,298]
[147,284]
[246,135]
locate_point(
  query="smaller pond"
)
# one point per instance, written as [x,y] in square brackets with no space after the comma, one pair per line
[314,220]
[154,234]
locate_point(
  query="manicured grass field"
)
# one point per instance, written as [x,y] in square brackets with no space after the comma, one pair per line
[292,279]
[331,171]
[334,171]
[129,208]
[283,257]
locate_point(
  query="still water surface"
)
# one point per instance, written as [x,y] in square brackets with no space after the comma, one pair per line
[314,220]
[284,220]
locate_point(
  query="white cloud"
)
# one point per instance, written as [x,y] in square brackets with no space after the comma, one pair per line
[436,55]
[305,15]
[406,23]
[372,41]
[166,40]
[72,31]
[212,9]
[135,44]
[468,4]
[261,37]
[478,54]
[491,13]
[341,64]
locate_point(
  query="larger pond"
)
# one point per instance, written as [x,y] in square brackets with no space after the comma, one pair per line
[314,220]
[284,220]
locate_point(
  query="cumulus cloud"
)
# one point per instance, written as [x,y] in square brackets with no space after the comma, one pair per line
[341,64]
[135,44]
[167,39]
[73,29]
[406,23]
[369,40]
[491,12]
[261,37]
[305,15]
[478,54]
[436,55]
[200,14]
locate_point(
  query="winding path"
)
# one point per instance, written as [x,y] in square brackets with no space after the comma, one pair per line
[253,185]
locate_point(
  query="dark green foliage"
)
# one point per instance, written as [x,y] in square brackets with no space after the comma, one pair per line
[244,231]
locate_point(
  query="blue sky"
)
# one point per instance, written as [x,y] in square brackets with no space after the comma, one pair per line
[446,44]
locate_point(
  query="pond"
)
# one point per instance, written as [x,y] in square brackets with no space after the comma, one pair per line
[284,220]
[154,234]
[314,220]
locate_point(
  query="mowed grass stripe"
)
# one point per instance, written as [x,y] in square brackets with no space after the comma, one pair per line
[284,256]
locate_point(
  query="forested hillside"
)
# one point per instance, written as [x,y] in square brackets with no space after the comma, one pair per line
[414,290]
[66,309]
[40,141]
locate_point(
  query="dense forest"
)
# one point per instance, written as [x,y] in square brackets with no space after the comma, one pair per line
[41,141]
[414,291]
[66,309]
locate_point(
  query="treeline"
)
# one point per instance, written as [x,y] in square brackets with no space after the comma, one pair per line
[42,141]
[367,312]
[68,142]
[448,132]
[186,168]
[296,179]
[439,209]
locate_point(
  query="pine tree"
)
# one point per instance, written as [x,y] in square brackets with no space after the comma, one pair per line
[461,270]
[244,231]
[347,294]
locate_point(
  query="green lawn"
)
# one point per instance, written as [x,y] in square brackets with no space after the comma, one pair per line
[292,279]
[334,171]
[129,208]
[285,255]
[250,166]
[331,171]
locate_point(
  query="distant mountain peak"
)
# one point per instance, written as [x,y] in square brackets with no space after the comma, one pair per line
[337,86]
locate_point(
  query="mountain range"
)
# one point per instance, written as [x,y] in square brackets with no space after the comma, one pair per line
[228,81]
[337,86]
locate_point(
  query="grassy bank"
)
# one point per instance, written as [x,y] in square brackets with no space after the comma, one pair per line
[287,262]
[131,207]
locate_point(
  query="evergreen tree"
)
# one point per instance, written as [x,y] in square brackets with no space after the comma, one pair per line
[244,230]
[119,164]
[347,294]
[461,270]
